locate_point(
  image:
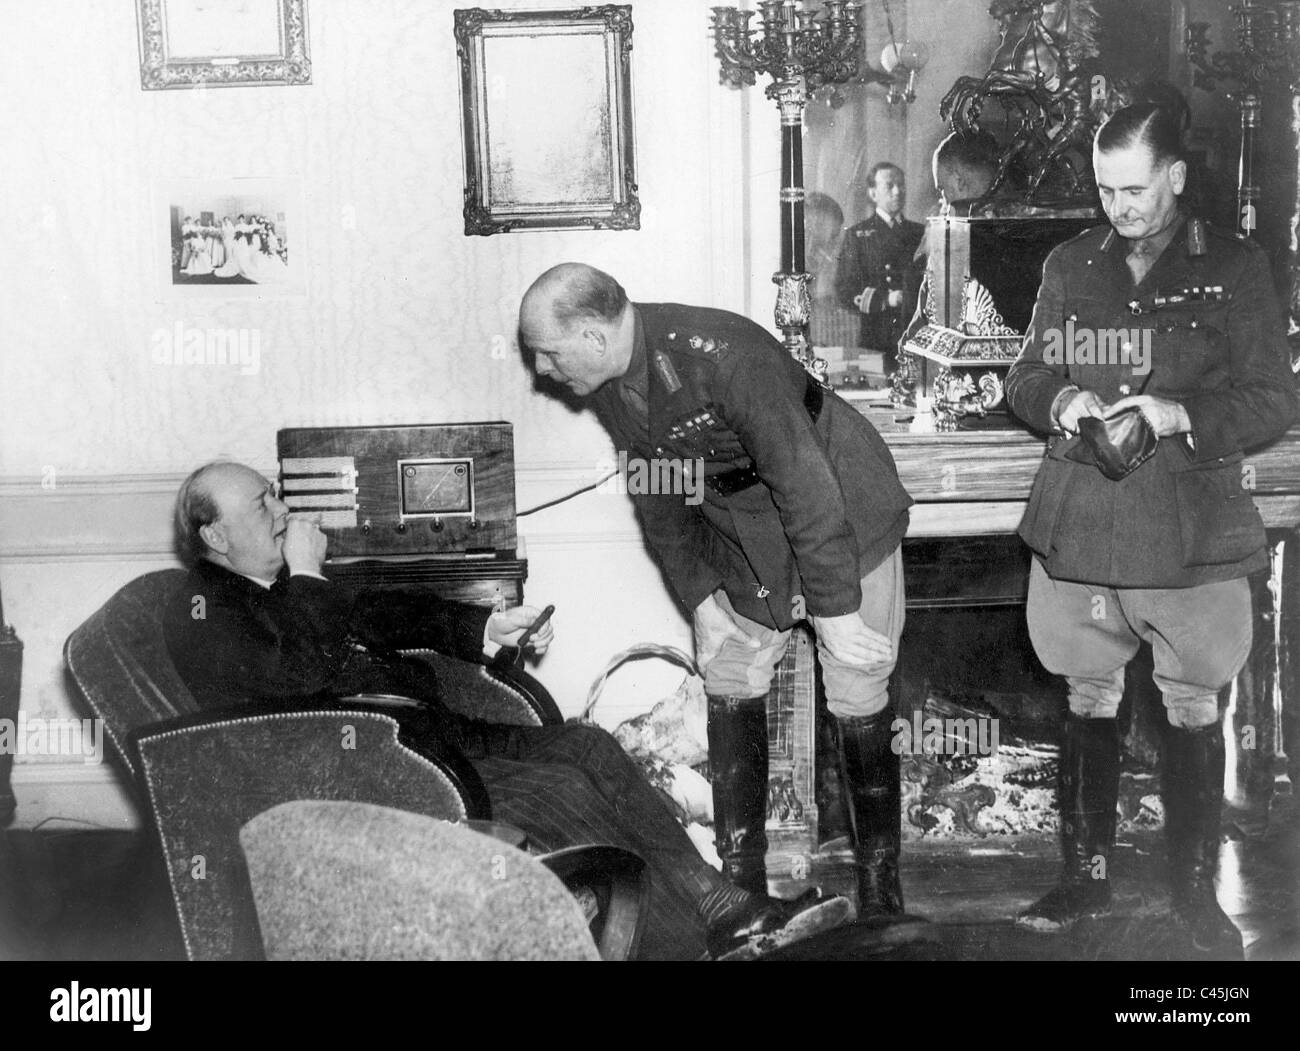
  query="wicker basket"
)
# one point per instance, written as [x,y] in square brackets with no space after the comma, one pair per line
[669,742]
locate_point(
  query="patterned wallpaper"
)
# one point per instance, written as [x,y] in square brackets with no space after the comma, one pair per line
[405,319]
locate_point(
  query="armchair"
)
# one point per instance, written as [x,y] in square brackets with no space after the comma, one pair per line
[121,665]
[203,775]
[350,881]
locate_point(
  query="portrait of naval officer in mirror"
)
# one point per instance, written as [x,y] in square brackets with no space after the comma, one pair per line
[879,273]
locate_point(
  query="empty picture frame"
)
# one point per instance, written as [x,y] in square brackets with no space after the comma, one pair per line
[222,43]
[546,98]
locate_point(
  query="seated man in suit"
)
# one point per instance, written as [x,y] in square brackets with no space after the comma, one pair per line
[258,620]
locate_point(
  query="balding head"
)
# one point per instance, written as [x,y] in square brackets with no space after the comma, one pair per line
[195,508]
[571,293]
[226,513]
[965,166]
[578,322]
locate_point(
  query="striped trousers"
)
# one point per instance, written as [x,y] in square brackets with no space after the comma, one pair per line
[569,786]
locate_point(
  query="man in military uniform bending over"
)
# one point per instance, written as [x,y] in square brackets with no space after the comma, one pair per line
[801,514]
[1168,328]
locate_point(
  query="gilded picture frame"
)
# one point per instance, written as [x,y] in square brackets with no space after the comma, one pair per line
[546,102]
[222,43]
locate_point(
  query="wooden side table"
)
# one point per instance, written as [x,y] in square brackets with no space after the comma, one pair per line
[494,582]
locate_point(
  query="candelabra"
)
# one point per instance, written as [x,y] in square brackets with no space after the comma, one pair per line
[1268,60]
[801,49]
[1268,35]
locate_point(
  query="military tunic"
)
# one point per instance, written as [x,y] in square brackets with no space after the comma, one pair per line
[876,259]
[802,496]
[1161,554]
[1217,346]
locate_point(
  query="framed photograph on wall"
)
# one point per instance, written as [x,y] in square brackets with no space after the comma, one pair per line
[546,98]
[239,238]
[222,43]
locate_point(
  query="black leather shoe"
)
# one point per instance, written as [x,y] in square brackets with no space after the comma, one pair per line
[1089,792]
[1067,903]
[763,924]
[1197,909]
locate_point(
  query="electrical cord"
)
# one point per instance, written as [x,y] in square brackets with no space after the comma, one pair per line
[568,496]
[71,820]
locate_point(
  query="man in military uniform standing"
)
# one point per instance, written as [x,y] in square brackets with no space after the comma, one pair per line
[879,273]
[1155,358]
[802,516]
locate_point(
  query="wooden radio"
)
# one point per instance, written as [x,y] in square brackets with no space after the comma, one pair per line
[423,505]
[436,489]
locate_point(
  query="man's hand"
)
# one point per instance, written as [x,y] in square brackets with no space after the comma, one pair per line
[1082,403]
[1166,417]
[505,627]
[304,546]
[895,300]
[713,627]
[850,641]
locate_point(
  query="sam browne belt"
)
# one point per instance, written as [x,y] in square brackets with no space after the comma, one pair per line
[741,478]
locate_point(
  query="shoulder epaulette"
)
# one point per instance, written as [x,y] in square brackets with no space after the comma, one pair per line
[1098,233]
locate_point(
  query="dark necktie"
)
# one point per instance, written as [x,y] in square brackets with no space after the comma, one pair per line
[1141,258]
[637,407]
[634,400]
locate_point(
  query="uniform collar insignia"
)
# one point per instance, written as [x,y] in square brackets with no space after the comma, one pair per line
[666,372]
[636,377]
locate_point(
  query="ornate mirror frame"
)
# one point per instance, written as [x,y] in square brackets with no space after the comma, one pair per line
[163,68]
[573,164]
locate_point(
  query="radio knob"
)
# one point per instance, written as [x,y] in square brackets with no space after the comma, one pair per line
[366,527]
[474,523]
[436,525]
[401,527]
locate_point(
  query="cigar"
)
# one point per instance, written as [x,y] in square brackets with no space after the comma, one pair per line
[534,627]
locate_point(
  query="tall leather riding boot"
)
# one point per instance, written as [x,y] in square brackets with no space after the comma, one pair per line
[869,769]
[1192,772]
[1089,792]
[738,762]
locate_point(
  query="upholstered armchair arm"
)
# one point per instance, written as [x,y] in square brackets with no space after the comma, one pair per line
[621,885]
[494,693]
[415,732]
